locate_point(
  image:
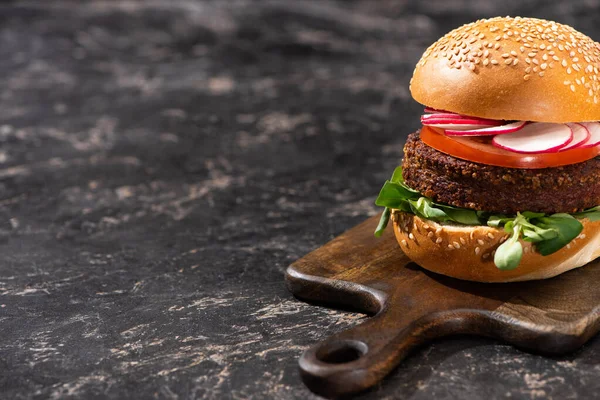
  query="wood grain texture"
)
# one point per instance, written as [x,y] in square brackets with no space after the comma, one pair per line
[412,306]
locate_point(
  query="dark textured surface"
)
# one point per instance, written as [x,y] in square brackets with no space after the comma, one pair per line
[162,162]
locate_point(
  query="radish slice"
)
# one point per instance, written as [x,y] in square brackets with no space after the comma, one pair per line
[495,130]
[580,136]
[538,137]
[458,128]
[430,110]
[449,116]
[427,117]
[463,125]
[594,129]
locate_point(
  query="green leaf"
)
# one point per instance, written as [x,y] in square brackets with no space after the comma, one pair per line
[508,254]
[530,214]
[383,222]
[423,208]
[462,215]
[538,234]
[397,176]
[496,221]
[566,227]
[392,195]
[508,227]
[593,214]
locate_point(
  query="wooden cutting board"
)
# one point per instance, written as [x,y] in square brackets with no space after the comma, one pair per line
[411,306]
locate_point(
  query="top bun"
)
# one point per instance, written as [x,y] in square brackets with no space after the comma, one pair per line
[512,69]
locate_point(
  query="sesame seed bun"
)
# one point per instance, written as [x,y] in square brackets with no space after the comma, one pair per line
[467,252]
[512,69]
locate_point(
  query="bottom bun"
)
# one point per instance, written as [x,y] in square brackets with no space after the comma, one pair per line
[467,252]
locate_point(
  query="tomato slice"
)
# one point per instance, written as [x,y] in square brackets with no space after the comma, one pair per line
[481,150]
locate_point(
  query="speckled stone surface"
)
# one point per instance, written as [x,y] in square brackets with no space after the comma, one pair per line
[162,162]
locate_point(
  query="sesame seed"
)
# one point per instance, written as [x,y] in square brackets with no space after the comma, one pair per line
[411,236]
[425,226]
[438,240]
[438,230]
[430,234]
[462,240]
[477,250]
[451,247]
[481,242]
[490,235]
[540,44]
[456,245]
[573,88]
[486,255]
[404,242]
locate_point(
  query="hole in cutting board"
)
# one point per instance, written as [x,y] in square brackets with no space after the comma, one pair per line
[342,352]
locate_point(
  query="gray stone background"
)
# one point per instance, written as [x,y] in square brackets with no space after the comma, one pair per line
[162,162]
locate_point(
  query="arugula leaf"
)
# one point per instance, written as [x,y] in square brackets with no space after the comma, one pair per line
[566,227]
[383,222]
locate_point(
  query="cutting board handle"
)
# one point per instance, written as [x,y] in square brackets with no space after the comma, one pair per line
[358,358]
